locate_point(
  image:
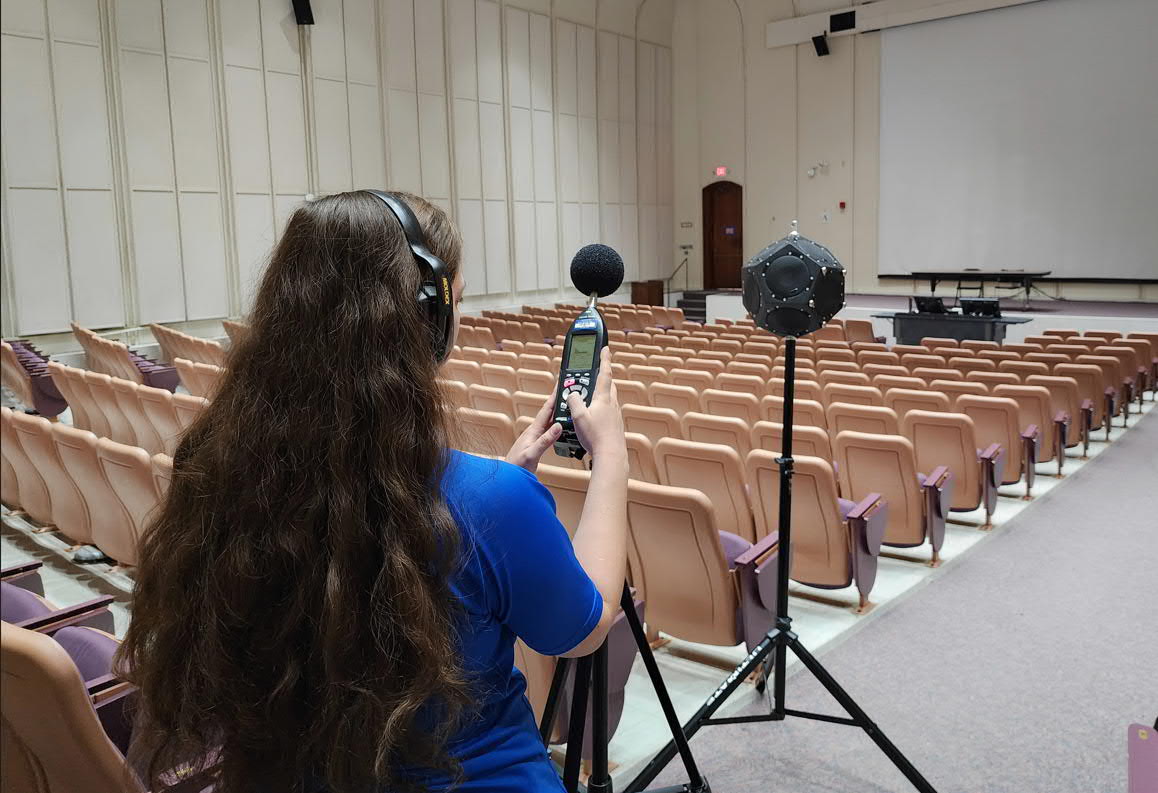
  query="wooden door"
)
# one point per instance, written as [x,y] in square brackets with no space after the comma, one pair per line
[723,235]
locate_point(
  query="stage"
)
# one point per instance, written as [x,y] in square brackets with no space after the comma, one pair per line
[1080,315]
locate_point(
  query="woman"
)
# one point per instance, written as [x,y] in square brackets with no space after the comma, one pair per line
[328,599]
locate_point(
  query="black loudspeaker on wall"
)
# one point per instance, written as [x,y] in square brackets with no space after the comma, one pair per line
[303,13]
[821,44]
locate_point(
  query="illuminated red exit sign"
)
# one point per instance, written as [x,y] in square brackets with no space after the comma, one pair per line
[721,170]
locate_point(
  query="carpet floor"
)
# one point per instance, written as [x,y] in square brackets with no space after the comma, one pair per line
[1016,671]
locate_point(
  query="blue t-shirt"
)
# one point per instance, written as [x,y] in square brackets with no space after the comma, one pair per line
[518,578]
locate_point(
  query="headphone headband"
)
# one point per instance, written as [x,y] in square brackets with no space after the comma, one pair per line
[434,295]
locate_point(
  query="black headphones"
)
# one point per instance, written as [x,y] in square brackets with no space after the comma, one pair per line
[434,293]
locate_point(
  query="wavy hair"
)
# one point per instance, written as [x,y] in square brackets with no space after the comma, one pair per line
[292,617]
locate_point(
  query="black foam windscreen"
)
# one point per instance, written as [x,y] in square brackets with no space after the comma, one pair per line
[303,13]
[597,269]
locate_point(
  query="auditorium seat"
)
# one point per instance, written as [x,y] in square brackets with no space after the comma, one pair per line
[969,365]
[642,373]
[1036,408]
[1039,340]
[29,610]
[199,379]
[188,408]
[679,398]
[977,345]
[1133,370]
[718,402]
[641,458]
[1070,351]
[997,420]
[666,362]
[990,379]
[128,397]
[74,745]
[829,331]
[874,419]
[847,378]
[655,423]
[835,542]
[811,441]
[763,371]
[1050,359]
[32,495]
[129,473]
[929,374]
[174,344]
[117,360]
[927,360]
[902,400]
[865,357]
[1113,378]
[491,399]
[1060,332]
[454,392]
[468,372]
[860,330]
[886,464]
[1022,369]
[536,381]
[1107,335]
[804,389]
[1021,348]
[699,380]
[24,371]
[484,432]
[1065,398]
[1146,359]
[1152,340]
[629,358]
[100,387]
[804,411]
[832,354]
[715,470]
[884,382]
[496,376]
[998,355]
[742,383]
[1091,385]
[855,394]
[526,403]
[68,510]
[234,330]
[699,585]
[935,342]
[949,439]
[632,392]
[534,361]
[735,433]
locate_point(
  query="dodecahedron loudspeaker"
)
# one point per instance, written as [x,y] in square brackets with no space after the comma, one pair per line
[793,286]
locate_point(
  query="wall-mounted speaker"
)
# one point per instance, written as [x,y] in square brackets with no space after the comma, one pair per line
[821,44]
[845,20]
[303,13]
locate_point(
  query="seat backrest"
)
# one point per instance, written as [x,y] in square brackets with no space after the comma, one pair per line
[702,364]
[78,404]
[991,379]
[880,357]
[535,381]
[77,450]
[962,364]
[35,498]
[995,420]
[847,378]
[820,539]
[642,373]
[1064,396]
[100,385]
[156,405]
[823,366]
[655,423]
[886,381]
[234,330]
[859,330]
[630,392]
[977,345]
[745,406]
[526,404]
[805,412]
[129,472]
[125,392]
[902,400]
[929,374]
[568,486]
[53,739]
[484,432]
[811,441]
[742,383]
[926,359]
[715,470]
[855,394]
[941,438]
[723,430]
[496,376]
[760,370]
[884,464]
[951,388]
[678,565]
[463,371]
[680,398]
[1034,407]
[874,419]
[1108,335]
[162,465]
[1022,368]
[491,399]
[641,458]
[692,378]
[804,389]
[454,392]
[69,512]
[1091,385]
[14,376]
[188,408]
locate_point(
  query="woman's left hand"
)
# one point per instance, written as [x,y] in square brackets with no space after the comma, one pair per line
[536,439]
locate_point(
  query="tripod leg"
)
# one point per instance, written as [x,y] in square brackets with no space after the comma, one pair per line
[551,709]
[679,741]
[600,779]
[861,718]
[575,727]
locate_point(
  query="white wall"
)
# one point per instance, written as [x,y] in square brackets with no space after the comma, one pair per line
[152,148]
[788,110]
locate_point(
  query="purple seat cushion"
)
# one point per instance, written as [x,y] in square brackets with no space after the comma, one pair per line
[18,605]
[846,506]
[91,650]
[733,545]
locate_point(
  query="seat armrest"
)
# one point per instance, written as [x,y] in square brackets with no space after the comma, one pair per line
[93,613]
[1087,404]
[993,462]
[756,574]
[758,549]
[1061,417]
[17,570]
[868,520]
[938,489]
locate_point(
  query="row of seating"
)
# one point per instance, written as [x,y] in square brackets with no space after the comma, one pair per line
[24,371]
[199,379]
[117,360]
[176,344]
[92,490]
[124,411]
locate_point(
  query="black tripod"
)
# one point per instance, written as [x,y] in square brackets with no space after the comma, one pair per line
[772,648]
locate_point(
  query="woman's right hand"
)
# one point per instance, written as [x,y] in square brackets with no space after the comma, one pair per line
[600,424]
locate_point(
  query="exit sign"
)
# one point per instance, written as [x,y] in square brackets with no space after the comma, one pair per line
[721,170]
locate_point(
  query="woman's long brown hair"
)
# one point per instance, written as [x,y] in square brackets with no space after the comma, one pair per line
[292,616]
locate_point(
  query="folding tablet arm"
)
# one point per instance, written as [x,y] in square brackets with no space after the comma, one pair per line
[992,462]
[938,492]
[866,523]
[755,570]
